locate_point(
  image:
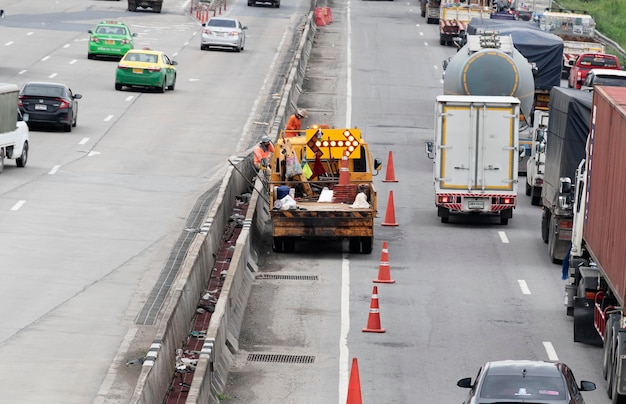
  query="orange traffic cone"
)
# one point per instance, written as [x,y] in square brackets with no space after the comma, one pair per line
[391,175]
[354,387]
[373,320]
[384,275]
[390,214]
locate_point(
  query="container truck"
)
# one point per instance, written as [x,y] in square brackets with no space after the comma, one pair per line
[596,287]
[454,17]
[568,126]
[14,134]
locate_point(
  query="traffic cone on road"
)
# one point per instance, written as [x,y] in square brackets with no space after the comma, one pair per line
[390,214]
[384,275]
[391,175]
[354,387]
[373,320]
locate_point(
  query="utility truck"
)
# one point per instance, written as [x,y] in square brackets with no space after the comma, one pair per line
[155,5]
[336,200]
[596,288]
[14,134]
[568,127]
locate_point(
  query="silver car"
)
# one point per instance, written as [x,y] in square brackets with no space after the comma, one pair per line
[223,32]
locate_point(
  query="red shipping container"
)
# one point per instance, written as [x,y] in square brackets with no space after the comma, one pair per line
[605,222]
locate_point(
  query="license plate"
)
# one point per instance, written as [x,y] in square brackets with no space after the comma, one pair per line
[41,107]
[475,204]
[138,71]
[109,42]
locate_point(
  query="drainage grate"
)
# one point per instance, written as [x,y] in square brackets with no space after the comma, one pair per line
[288,277]
[281,358]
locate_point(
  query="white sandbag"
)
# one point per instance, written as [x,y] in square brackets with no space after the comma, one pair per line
[326,195]
[288,203]
[360,202]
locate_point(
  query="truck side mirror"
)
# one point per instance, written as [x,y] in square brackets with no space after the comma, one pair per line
[429,150]
[378,165]
[565,186]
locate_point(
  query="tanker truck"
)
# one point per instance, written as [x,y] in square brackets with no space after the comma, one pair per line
[487,85]
[596,287]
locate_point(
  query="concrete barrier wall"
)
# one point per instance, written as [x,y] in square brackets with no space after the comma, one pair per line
[222,336]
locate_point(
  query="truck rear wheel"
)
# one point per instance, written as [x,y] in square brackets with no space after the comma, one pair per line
[528,189]
[23,158]
[132,6]
[366,244]
[552,242]
[277,244]
[157,8]
[545,225]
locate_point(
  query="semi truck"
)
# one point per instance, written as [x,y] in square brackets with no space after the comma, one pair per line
[155,5]
[336,200]
[14,133]
[596,287]
[578,32]
[568,127]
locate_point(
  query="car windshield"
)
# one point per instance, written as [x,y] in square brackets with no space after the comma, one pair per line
[511,387]
[43,91]
[611,81]
[222,23]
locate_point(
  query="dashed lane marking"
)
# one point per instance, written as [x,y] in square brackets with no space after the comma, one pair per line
[503,237]
[547,345]
[18,205]
[523,286]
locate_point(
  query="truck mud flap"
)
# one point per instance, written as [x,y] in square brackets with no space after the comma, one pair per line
[584,330]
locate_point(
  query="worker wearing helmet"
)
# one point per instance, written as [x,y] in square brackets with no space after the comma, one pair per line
[262,153]
[294,123]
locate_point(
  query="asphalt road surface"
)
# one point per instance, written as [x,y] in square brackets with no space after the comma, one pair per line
[88,225]
[466,292]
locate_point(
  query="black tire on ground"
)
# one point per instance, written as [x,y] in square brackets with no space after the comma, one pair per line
[445,219]
[118,86]
[423,12]
[289,244]
[276,5]
[23,158]
[75,120]
[157,9]
[442,42]
[354,245]
[528,189]
[545,225]
[535,200]
[161,89]
[366,245]
[132,6]
[173,85]
[250,3]
[504,221]
[277,244]
[552,242]
[608,336]
[67,127]
[91,56]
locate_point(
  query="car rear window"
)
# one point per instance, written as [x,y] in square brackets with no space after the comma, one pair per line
[111,30]
[222,23]
[43,91]
[598,62]
[503,387]
[614,81]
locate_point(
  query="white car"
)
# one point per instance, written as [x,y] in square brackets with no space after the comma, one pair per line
[223,32]
[604,77]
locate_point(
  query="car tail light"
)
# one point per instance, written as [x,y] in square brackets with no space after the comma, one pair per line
[64,104]
[153,69]
[234,33]
[207,31]
[19,101]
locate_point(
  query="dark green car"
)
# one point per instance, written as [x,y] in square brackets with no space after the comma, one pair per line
[110,38]
[146,68]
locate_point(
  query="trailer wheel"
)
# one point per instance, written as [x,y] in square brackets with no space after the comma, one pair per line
[545,224]
[289,244]
[552,242]
[528,189]
[354,245]
[608,343]
[277,244]
[366,244]
[535,200]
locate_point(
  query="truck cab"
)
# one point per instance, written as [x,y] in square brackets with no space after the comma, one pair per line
[587,61]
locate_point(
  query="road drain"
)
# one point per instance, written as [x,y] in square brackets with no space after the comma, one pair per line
[281,358]
[288,277]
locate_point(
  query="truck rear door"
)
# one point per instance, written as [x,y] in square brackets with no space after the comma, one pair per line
[478,146]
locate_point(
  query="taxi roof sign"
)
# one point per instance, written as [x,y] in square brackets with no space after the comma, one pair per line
[333,143]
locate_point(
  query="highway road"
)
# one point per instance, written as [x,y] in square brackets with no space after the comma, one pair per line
[466,292]
[89,225]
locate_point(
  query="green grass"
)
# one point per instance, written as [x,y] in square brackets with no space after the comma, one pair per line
[608,14]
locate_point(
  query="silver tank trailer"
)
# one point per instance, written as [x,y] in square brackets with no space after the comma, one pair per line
[489,64]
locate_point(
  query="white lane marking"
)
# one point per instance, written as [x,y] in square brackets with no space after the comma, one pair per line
[73,61]
[30,33]
[344,366]
[43,59]
[421,33]
[67,45]
[503,237]
[18,205]
[108,118]
[523,286]
[53,75]
[93,153]
[85,140]
[174,54]
[9,43]
[436,67]
[22,71]
[129,98]
[186,43]
[425,43]
[54,170]
[547,345]
[191,80]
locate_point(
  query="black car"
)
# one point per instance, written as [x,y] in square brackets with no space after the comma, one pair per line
[49,103]
[525,381]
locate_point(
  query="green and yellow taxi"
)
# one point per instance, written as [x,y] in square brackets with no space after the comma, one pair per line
[146,68]
[110,38]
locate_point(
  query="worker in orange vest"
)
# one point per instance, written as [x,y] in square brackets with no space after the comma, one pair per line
[262,153]
[294,123]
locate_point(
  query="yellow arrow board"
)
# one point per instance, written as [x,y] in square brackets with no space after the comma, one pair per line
[333,143]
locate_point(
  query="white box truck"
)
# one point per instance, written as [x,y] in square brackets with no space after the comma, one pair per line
[14,134]
[476,154]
